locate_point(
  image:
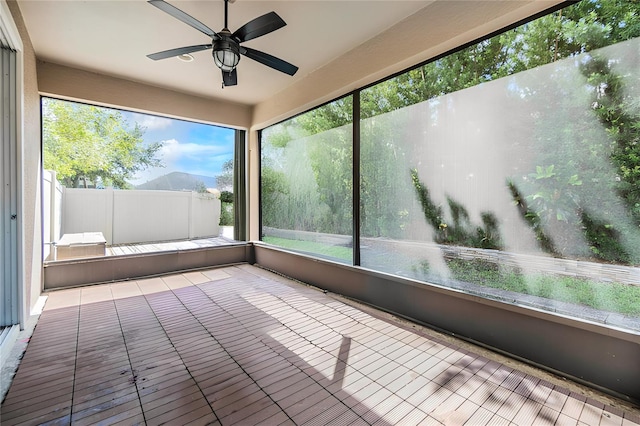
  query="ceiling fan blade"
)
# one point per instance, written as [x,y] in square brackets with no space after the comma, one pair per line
[184,17]
[268,60]
[229,78]
[179,51]
[260,26]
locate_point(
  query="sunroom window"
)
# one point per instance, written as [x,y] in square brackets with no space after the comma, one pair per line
[118,183]
[509,169]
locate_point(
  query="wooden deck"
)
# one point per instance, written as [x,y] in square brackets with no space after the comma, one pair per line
[225,238]
[242,346]
[123,249]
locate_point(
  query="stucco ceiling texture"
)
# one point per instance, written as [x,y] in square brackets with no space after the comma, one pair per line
[113,38]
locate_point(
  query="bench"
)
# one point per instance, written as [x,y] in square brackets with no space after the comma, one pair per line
[84,244]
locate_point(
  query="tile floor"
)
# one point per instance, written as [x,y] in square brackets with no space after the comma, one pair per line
[239,345]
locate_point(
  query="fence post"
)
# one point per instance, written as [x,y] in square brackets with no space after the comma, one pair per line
[48,215]
[53,211]
[109,206]
[191,210]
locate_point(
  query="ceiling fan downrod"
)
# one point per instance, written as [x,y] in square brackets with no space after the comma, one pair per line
[226,13]
[225,45]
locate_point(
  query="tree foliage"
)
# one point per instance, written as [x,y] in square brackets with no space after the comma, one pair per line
[553,196]
[580,163]
[306,171]
[459,230]
[93,144]
[224,180]
[226,208]
[580,28]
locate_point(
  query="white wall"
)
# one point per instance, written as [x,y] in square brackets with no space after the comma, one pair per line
[78,85]
[29,165]
[202,210]
[138,216]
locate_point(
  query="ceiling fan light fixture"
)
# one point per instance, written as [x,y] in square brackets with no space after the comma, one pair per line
[225,45]
[185,57]
[226,55]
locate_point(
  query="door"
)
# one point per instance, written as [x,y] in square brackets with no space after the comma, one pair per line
[9,289]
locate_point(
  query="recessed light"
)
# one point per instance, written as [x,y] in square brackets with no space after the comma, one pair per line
[185,57]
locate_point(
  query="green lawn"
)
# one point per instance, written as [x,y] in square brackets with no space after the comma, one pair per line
[338,252]
[610,297]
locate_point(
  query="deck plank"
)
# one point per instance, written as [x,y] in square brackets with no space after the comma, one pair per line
[240,345]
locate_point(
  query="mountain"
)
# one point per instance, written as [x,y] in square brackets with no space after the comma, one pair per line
[178,181]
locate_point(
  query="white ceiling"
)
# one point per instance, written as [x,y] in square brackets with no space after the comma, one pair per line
[113,37]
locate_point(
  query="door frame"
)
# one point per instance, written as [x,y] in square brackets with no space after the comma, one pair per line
[17,302]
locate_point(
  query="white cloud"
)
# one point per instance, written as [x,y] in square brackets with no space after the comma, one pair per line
[170,151]
[151,122]
[173,150]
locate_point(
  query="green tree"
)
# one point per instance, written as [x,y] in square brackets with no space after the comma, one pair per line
[306,171]
[89,143]
[607,157]
[565,135]
[564,144]
[224,180]
[459,230]
[274,190]
[226,208]
[201,188]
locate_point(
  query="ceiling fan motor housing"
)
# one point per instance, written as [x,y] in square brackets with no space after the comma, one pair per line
[226,51]
[226,45]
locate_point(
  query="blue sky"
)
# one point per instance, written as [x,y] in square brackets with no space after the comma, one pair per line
[188,147]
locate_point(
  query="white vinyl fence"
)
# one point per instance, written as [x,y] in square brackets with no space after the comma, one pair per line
[52,209]
[129,216]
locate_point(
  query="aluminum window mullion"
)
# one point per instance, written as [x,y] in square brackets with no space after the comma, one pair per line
[240,187]
[355,128]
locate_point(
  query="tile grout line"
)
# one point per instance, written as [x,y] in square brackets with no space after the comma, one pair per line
[126,348]
[176,349]
[523,367]
[461,348]
[297,334]
[75,360]
[306,339]
[438,340]
[224,348]
[233,298]
[333,329]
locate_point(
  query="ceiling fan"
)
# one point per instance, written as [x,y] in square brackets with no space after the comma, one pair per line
[226,45]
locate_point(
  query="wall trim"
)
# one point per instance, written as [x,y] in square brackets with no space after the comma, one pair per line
[100,270]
